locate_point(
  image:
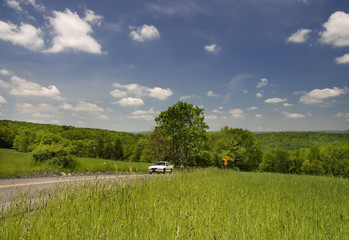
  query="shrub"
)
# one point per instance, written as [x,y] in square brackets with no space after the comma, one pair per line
[55,154]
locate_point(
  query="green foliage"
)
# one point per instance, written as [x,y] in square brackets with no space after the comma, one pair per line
[86,142]
[56,154]
[291,141]
[200,204]
[241,146]
[185,128]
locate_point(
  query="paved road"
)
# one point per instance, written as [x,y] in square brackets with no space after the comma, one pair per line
[9,187]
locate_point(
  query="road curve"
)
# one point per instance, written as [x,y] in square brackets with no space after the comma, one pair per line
[9,187]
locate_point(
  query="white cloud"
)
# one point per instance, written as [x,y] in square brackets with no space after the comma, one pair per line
[4,72]
[236,113]
[82,106]
[146,32]
[259,95]
[211,117]
[343,59]
[159,93]
[22,87]
[318,95]
[14,4]
[43,110]
[213,48]
[258,115]
[293,115]
[130,102]
[262,82]
[343,115]
[116,93]
[2,100]
[140,91]
[24,35]
[300,36]
[275,100]
[252,108]
[73,33]
[211,94]
[182,98]
[287,104]
[336,33]
[92,18]
[144,114]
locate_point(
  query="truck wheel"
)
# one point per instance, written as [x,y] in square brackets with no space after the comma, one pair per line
[164,171]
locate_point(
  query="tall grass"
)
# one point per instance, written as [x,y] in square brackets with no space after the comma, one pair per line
[16,164]
[201,204]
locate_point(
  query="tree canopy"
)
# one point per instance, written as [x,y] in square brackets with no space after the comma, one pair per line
[185,126]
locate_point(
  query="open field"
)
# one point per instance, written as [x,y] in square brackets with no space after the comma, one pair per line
[199,204]
[15,164]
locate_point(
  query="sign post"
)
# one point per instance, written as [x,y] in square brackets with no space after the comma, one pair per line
[225,159]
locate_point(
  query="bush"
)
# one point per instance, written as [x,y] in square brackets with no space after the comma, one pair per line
[55,154]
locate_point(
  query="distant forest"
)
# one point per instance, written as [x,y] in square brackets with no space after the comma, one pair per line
[318,153]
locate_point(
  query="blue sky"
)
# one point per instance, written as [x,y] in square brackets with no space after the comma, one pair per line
[262,65]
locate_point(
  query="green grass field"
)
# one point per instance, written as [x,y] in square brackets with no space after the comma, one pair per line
[16,164]
[199,204]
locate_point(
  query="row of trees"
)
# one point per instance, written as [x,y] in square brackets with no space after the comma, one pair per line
[181,137]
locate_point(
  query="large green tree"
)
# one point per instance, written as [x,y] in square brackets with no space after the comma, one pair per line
[185,127]
[241,146]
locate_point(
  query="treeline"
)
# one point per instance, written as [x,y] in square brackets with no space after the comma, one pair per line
[296,140]
[80,142]
[180,137]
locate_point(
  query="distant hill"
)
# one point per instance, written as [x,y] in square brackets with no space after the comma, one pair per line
[297,140]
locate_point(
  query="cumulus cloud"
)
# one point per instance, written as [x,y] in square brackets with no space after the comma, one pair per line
[4,72]
[144,114]
[143,33]
[74,33]
[293,115]
[262,82]
[336,30]
[258,115]
[159,93]
[140,91]
[2,100]
[287,104]
[343,115]
[211,94]
[211,117]
[24,35]
[275,100]
[116,93]
[213,48]
[236,113]
[318,95]
[343,59]
[82,106]
[42,110]
[252,108]
[259,95]
[16,4]
[300,36]
[130,102]
[22,87]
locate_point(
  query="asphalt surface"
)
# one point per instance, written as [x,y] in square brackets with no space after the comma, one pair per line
[9,188]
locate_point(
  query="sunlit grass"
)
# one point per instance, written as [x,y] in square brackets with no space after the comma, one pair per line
[16,164]
[200,204]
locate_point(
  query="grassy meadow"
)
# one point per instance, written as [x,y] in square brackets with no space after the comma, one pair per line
[199,204]
[16,164]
